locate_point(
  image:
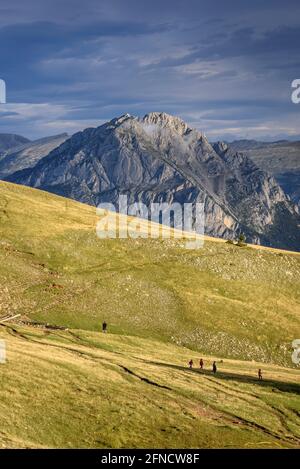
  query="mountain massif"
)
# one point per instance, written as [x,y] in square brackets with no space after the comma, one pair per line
[159,158]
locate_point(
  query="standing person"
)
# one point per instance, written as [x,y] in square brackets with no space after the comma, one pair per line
[201,363]
[191,364]
[104,327]
[214,367]
[260,375]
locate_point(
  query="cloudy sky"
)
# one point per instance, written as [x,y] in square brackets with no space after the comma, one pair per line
[224,66]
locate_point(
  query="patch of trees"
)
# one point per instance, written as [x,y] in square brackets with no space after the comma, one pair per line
[240,241]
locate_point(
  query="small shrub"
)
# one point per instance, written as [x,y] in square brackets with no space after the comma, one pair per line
[241,240]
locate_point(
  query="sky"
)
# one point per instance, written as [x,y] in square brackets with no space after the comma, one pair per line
[225,67]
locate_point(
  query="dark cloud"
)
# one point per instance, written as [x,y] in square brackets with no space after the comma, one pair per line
[224,66]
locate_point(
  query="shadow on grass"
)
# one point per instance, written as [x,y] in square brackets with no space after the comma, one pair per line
[270,383]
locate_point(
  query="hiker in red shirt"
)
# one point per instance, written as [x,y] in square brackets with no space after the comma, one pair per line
[191,363]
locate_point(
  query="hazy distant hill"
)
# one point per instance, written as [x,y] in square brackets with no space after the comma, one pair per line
[28,154]
[281,159]
[8,141]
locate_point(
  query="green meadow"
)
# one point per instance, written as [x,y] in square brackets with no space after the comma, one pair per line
[66,384]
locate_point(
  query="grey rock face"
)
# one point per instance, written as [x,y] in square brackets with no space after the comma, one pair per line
[159,158]
[28,154]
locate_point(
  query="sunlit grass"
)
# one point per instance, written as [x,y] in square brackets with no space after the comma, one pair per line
[83,389]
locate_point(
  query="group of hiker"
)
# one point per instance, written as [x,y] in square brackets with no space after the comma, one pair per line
[191,363]
[214,367]
[201,365]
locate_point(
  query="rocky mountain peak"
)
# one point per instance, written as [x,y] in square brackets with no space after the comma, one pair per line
[164,120]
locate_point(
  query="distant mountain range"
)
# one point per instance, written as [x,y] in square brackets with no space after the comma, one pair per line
[281,159]
[159,158]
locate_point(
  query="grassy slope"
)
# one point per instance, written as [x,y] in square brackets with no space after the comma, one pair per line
[75,388]
[84,389]
[235,302]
